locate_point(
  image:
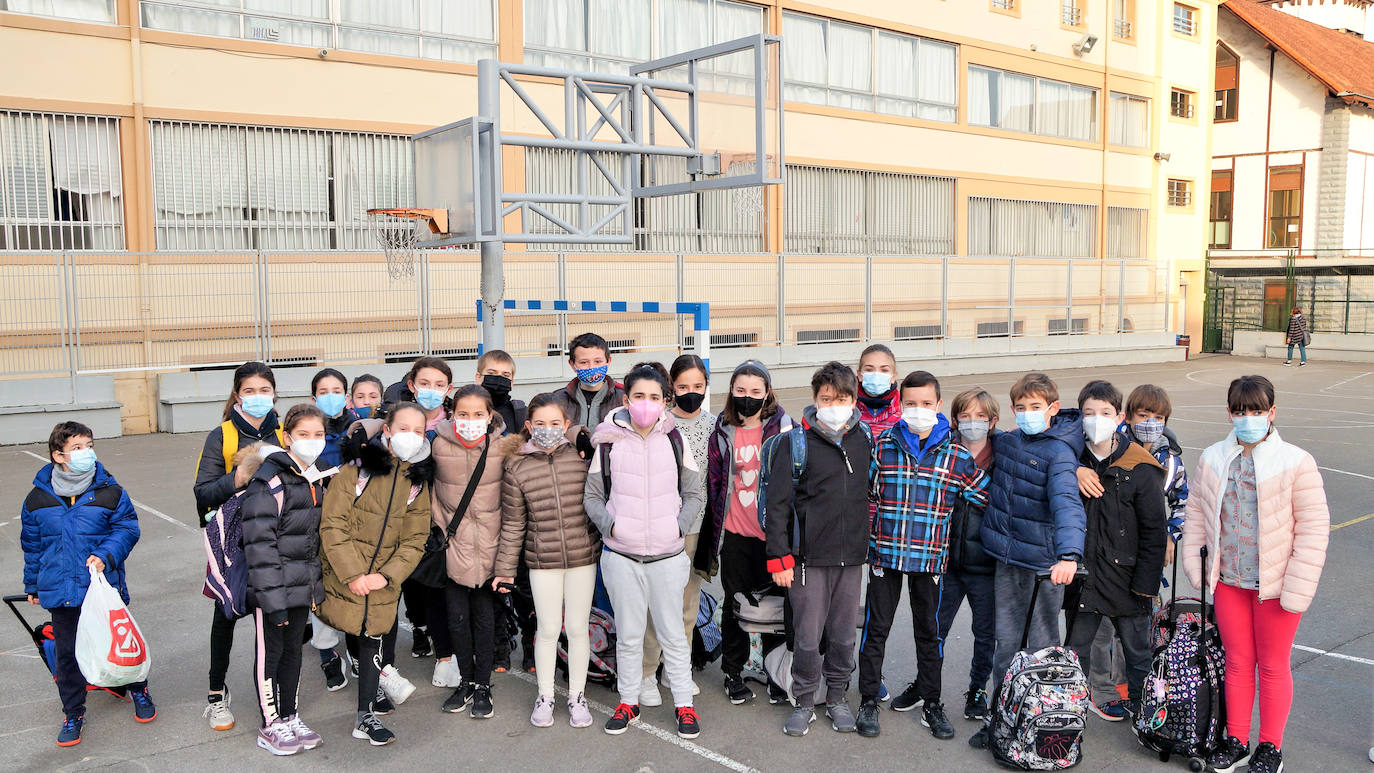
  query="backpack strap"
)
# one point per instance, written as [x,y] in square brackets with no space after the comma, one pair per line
[797,436]
[675,440]
[604,450]
[230,436]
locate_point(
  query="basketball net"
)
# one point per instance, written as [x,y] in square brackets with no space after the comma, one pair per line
[399,236]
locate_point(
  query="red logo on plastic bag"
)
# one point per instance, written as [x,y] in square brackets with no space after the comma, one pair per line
[126,644]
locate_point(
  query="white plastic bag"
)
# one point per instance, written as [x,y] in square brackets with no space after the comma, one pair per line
[110,649]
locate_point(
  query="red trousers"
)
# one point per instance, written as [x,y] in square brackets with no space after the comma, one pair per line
[1257,635]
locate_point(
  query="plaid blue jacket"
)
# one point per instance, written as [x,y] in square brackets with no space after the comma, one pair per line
[909,531]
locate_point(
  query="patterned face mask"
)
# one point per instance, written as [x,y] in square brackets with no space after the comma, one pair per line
[546,438]
[1148,431]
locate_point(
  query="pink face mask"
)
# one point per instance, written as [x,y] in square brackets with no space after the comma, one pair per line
[645,412]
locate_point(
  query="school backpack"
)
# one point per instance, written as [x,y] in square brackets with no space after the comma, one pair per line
[706,634]
[601,661]
[1039,715]
[1182,704]
[226,570]
[777,667]
[795,436]
[760,611]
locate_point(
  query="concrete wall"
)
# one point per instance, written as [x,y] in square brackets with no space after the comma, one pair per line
[1325,346]
[1335,14]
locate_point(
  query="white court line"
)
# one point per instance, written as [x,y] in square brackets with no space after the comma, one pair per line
[1347,381]
[1328,469]
[657,732]
[138,504]
[1330,654]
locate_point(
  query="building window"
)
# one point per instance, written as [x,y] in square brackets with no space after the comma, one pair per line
[1006,100]
[1070,13]
[1219,211]
[603,35]
[1181,103]
[78,10]
[1180,193]
[1123,19]
[231,187]
[846,65]
[1285,206]
[1185,20]
[1041,229]
[1130,121]
[848,211]
[1227,84]
[60,182]
[445,30]
[1004,5]
[1126,232]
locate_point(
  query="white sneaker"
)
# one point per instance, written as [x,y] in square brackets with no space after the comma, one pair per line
[649,695]
[696,689]
[396,687]
[446,674]
[218,713]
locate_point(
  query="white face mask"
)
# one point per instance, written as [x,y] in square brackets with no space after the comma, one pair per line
[308,450]
[919,419]
[405,445]
[1098,429]
[834,416]
[470,429]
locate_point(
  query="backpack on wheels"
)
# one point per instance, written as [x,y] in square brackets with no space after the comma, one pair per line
[1042,708]
[1183,705]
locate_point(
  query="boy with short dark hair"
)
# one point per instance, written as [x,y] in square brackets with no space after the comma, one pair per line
[917,475]
[817,543]
[592,392]
[496,374]
[1124,545]
[1034,521]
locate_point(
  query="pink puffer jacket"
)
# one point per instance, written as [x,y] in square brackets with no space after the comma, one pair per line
[1294,523]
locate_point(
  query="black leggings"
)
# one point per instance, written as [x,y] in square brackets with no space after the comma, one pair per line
[470,624]
[221,644]
[369,651]
[386,645]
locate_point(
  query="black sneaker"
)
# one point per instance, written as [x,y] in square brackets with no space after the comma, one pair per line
[70,734]
[1229,756]
[980,739]
[737,691]
[371,730]
[527,659]
[353,667]
[975,703]
[867,720]
[334,678]
[481,702]
[501,660]
[688,724]
[459,700]
[1266,759]
[776,695]
[933,717]
[420,645]
[621,719]
[908,700]
[382,705]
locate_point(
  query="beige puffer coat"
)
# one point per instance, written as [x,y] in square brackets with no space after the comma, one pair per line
[472,551]
[541,508]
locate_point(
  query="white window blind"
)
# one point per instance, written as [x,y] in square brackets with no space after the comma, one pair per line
[1126,232]
[1129,121]
[845,65]
[1044,229]
[1050,108]
[224,186]
[79,10]
[61,186]
[845,211]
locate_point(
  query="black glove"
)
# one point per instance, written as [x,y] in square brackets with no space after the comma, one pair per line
[585,449]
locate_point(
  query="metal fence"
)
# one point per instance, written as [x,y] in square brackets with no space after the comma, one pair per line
[83,312]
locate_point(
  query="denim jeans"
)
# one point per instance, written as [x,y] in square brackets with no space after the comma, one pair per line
[1301,348]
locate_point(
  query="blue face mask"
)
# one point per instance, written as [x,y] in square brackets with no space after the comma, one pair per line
[1250,429]
[81,461]
[592,376]
[332,403]
[429,399]
[876,383]
[363,412]
[1032,422]
[257,406]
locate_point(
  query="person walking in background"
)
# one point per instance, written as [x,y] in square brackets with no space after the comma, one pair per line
[1258,505]
[1298,335]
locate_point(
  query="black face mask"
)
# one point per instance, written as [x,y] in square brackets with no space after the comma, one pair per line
[746,406]
[499,386]
[689,402]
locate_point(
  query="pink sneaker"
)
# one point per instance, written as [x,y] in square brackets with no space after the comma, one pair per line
[578,713]
[308,738]
[279,739]
[542,716]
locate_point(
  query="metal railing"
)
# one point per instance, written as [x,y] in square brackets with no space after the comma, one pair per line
[81,312]
[1122,28]
[1070,14]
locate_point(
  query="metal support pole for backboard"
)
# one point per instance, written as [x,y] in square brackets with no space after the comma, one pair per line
[493,252]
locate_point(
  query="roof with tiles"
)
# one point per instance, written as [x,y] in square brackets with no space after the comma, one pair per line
[1343,62]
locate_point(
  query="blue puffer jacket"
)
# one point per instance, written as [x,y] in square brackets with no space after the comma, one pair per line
[59,533]
[1035,513]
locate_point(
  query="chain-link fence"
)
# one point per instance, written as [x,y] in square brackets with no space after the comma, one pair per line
[84,312]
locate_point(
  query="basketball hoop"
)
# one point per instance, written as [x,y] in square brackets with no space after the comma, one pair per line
[747,202]
[399,230]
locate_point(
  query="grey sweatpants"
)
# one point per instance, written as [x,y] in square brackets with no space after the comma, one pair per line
[1012,587]
[823,602]
[640,591]
[1108,664]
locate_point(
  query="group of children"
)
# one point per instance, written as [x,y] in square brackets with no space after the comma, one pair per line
[461,500]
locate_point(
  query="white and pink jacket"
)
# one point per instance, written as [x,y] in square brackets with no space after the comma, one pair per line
[1294,523]
[652,503]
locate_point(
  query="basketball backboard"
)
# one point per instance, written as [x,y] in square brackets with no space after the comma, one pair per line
[452,173]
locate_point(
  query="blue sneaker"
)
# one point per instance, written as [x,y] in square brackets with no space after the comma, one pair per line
[1111,711]
[70,734]
[144,710]
[883,695]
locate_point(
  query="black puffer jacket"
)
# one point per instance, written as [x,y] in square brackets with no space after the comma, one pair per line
[966,552]
[214,484]
[281,538]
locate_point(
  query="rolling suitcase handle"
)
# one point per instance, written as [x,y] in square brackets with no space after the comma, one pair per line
[11,601]
[1030,610]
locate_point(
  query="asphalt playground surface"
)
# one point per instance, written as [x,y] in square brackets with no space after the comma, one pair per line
[1325,408]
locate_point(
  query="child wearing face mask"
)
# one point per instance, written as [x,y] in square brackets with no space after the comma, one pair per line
[543,523]
[365,396]
[592,393]
[281,527]
[917,474]
[643,491]
[76,519]
[426,384]
[880,401]
[1264,558]
[249,417]
[468,456]
[373,528]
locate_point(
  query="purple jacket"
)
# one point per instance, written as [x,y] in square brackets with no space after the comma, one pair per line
[720,481]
